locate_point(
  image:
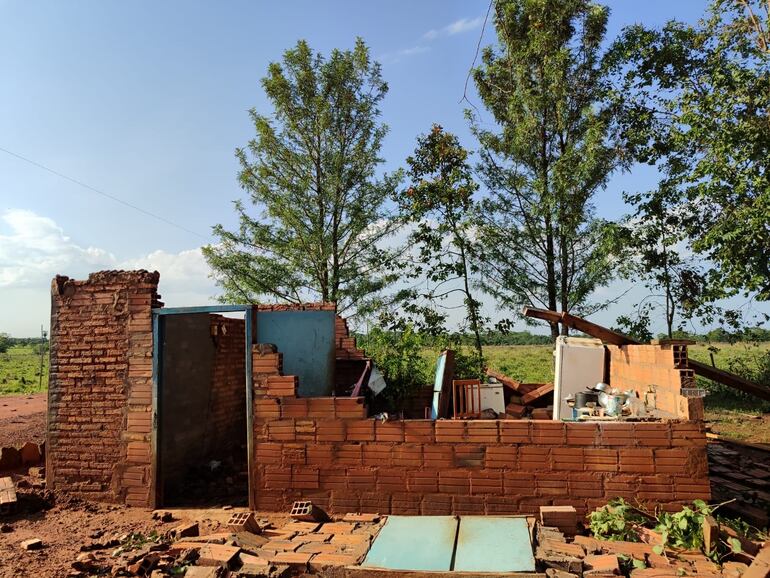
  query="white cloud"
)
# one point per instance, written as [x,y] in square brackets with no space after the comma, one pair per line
[184,276]
[413,50]
[36,248]
[392,57]
[456,27]
[33,249]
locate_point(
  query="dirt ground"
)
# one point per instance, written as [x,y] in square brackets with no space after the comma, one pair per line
[22,419]
[66,524]
[69,525]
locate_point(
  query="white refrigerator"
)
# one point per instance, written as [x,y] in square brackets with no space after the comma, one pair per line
[579,365]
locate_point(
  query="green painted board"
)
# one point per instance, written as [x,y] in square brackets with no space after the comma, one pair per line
[414,543]
[493,544]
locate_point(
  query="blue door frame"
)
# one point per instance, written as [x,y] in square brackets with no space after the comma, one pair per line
[157,382]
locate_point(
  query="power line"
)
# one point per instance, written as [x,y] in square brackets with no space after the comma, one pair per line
[102,193]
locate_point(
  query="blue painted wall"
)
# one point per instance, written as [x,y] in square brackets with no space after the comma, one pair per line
[306,339]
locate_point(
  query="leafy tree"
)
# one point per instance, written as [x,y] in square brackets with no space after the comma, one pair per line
[398,354]
[439,204]
[696,101]
[320,210]
[545,88]
[648,249]
[5,342]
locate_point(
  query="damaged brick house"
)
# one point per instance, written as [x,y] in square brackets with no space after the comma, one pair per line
[140,394]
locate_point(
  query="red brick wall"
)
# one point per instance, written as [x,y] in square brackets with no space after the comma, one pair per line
[665,366]
[100,390]
[327,450]
[473,467]
[226,423]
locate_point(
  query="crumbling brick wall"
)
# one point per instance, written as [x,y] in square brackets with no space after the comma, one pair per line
[100,388]
[226,424]
[664,366]
[350,360]
[327,450]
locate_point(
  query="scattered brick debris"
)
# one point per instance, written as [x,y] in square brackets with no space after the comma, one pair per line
[243,522]
[32,544]
[8,500]
[306,511]
[562,517]
[740,475]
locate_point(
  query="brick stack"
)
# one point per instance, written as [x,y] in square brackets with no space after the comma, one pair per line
[564,518]
[664,365]
[317,449]
[100,392]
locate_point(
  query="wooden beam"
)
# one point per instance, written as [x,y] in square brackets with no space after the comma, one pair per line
[508,382]
[729,379]
[615,338]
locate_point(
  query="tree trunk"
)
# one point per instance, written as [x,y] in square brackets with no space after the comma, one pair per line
[471,306]
[551,275]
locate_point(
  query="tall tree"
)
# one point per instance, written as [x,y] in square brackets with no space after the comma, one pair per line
[696,103]
[648,248]
[544,86]
[439,204]
[320,210]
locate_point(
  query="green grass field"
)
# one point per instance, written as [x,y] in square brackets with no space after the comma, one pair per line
[20,370]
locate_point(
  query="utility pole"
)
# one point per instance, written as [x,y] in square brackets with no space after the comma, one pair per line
[42,354]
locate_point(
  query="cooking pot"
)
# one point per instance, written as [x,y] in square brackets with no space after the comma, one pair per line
[582,398]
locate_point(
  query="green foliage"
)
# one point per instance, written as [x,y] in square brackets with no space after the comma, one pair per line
[398,356]
[5,342]
[618,520]
[743,528]
[20,370]
[683,530]
[440,207]
[645,244]
[544,86]
[695,104]
[320,211]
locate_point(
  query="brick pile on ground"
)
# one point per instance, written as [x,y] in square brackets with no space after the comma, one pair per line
[246,548]
[560,556]
[741,473]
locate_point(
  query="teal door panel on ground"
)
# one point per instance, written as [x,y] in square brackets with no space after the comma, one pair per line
[488,544]
[414,543]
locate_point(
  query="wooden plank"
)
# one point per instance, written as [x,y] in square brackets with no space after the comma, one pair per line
[508,382]
[729,379]
[535,394]
[710,534]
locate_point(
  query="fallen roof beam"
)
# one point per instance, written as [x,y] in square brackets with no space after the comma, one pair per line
[729,379]
[615,338]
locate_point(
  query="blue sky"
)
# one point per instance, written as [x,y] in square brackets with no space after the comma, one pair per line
[147,101]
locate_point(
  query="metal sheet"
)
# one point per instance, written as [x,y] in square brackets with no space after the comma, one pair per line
[489,544]
[414,543]
[438,382]
[307,341]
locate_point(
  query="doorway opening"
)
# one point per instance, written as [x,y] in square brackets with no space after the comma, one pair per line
[202,400]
